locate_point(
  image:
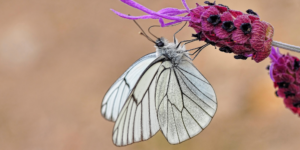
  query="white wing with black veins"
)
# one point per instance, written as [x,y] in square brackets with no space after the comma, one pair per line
[116,96]
[176,99]
[186,102]
[138,118]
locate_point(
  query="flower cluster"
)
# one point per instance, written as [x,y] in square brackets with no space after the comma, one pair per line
[233,31]
[285,73]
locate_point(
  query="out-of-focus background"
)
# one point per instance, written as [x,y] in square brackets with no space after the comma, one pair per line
[59,57]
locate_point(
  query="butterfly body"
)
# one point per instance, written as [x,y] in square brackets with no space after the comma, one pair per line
[169,94]
[172,52]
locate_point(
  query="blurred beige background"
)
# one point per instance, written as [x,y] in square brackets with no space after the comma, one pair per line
[59,57]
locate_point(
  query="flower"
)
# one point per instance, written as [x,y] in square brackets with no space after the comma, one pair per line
[225,29]
[243,34]
[284,71]
[244,27]
[210,18]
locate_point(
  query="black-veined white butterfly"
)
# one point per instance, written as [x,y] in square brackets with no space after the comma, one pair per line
[161,90]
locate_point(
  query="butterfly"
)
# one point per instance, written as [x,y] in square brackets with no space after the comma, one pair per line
[160,91]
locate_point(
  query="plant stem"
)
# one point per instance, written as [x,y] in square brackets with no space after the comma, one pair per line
[286,46]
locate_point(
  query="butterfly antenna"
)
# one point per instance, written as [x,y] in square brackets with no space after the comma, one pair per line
[178,31]
[151,32]
[143,32]
[160,26]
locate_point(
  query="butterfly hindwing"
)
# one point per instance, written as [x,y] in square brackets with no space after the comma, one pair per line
[116,96]
[186,102]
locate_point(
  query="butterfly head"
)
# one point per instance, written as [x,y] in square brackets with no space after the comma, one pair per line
[160,42]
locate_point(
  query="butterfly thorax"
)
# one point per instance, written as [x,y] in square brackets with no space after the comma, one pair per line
[171,51]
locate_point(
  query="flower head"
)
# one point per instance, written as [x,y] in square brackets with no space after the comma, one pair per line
[242,34]
[284,71]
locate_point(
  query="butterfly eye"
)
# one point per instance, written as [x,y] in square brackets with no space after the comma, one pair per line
[246,28]
[228,26]
[159,43]
[214,19]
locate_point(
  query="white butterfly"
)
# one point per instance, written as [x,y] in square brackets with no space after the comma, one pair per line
[160,91]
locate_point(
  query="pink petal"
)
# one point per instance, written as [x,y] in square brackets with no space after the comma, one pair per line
[221,33]
[226,16]
[240,20]
[240,49]
[289,103]
[210,11]
[210,36]
[278,69]
[284,77]
[222,9]
[291,63]
[206,26]
[196,14]
[195,26]
[269,30]
[253,18]
[281,60]
[226,42]
[258,36]
[239,37]
[235,13]
[259,56]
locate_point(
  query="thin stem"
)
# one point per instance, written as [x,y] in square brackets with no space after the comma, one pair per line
[286,46]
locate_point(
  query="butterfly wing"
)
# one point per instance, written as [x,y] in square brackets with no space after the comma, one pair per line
[116,96]
[186,102]
[177,99]
[138,118]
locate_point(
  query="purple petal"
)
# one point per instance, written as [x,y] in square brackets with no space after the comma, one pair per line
[171,23]
[275,54]
[162,23]
[185,5]
[134,17]
[271,72]
[151,12]
[170,11]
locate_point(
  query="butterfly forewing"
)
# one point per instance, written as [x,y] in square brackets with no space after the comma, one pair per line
[116,96]
[137,120]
